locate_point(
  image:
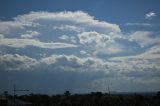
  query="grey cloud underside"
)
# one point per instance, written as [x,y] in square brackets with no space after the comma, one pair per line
[80,45]
[147,62]
[81,74]
[11,62]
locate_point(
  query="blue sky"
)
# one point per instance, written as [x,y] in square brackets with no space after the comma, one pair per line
[80,45]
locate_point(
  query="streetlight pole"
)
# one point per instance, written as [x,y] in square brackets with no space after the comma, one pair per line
[17,90]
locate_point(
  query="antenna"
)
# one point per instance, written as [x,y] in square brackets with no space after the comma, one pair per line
[16,90]
[107,87]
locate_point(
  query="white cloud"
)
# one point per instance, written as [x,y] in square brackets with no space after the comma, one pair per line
[138,24]
[69,27]
[73,39]
[30,34]
[78,17]
[73,62]
[83,52]
[128,66]
[143,38]
[95,43]
[29,26]
[5,26]
[11,62]
[68,38]
[112,48]
[99,43]
[93,38]
[150,15]
[146,80]
[1,36]
[148,60]
[64,37]
[63,60]
[21,43]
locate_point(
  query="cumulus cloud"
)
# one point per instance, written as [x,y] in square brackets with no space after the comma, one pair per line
[84,46]
[63,61]
[63,28]
[30,34]
[9,62]
[148,60]
[5,26]
[150,15]
[21,43]
[144,38]
[78,21]
[146,63]
[69,27]
[72,62]
[93,38]
[83,52]
[42,29]
[64,37]
[78,17]
[112,48]
[68,38]
[100,43]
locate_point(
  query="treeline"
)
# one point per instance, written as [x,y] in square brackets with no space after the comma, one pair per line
[92,99]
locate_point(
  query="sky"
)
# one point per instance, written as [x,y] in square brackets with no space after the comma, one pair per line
[80,45]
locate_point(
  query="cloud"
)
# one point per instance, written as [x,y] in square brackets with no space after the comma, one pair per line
[138,24]
[78,17]
[86,47]
[83,52]
[64,37]
[68,38]
[5,26]
[9,62]
[63,28]
[78,21]
[150,15]
[63,61]
[128,66]
[30,34]
[69,27]
[145,64]
[22,43]
[79,30]
[112,48]
[93,38]
[72,62]
[100,43]
[53,62]
[144,38]
[1,36]
[55,30]
[148,60]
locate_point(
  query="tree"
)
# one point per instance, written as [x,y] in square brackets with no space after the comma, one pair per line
[158,94]
[67,93]
[6,93]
